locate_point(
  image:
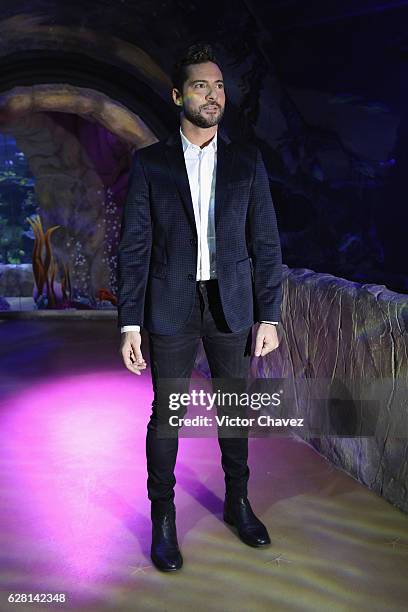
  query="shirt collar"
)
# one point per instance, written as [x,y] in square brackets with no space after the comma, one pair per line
[187,143]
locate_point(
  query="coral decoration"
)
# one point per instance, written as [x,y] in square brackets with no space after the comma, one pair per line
[45,269]
[105,294]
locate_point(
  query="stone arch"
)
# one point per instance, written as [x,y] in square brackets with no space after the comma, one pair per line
[70,190]
[87,103]
[30,34]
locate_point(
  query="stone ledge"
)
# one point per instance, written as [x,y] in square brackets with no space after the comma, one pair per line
[59,314]
[332,328]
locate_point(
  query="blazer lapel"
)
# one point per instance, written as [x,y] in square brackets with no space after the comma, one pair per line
[225,159]
[175,158]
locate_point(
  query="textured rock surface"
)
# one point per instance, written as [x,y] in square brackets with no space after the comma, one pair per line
[356,335]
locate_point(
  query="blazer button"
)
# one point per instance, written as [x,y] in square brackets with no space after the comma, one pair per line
[190,277]
[192,241]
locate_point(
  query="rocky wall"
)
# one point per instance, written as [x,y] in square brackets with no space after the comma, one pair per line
[355,337]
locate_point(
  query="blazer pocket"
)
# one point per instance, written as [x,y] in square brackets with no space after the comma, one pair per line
[158,270]
[243,265]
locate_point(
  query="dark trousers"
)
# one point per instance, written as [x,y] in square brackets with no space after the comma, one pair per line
[228,356]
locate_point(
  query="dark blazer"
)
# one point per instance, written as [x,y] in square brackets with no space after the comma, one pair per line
[157,253]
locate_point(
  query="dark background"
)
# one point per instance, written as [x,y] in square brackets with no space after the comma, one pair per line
[322,87]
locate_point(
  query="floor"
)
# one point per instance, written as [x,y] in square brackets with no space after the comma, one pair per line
[74,515]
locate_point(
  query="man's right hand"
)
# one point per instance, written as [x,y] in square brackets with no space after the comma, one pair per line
[131,353]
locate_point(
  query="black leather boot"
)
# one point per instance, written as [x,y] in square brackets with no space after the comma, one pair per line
[165,552]
[238,513]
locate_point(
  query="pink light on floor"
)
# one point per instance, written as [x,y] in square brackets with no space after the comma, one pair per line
[76,485]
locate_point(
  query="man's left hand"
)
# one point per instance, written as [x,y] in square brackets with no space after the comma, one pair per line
[266,339]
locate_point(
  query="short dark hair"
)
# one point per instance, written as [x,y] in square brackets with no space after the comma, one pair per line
[198,53]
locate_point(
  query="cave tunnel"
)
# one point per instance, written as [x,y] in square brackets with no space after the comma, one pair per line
[89,133]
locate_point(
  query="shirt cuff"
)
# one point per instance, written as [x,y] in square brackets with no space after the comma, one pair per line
[126,328]
[271,322]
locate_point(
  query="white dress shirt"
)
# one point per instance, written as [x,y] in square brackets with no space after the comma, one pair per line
[201,165]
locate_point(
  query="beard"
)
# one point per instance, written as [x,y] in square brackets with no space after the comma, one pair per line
[200,119]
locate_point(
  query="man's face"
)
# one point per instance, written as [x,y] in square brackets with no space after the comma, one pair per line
[203,97]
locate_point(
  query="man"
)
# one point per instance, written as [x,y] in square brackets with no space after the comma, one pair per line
[199,257]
